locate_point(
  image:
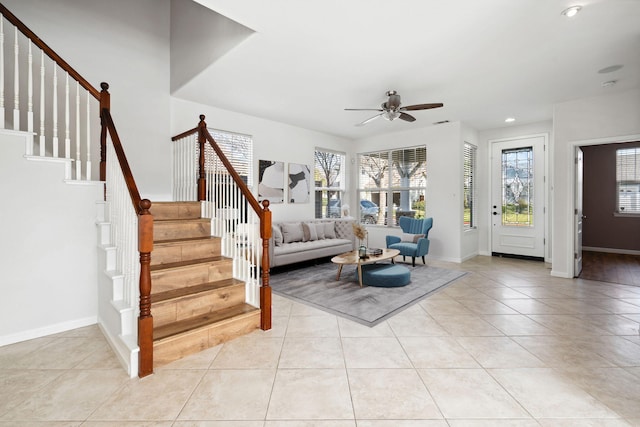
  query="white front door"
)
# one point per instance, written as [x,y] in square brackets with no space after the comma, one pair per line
[517,182]
[577,267]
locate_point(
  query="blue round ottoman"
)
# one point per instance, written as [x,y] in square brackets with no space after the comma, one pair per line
[385,275]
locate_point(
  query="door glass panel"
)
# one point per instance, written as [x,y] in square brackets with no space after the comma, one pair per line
[517,187]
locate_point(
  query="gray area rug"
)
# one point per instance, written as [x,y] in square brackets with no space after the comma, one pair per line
[317,286]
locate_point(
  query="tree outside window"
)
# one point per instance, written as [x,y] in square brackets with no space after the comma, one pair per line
[395,182]
[329,177]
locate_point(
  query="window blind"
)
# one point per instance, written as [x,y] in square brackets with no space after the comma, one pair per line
[628,180]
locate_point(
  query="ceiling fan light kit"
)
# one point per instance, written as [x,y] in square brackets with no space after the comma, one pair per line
[391,109]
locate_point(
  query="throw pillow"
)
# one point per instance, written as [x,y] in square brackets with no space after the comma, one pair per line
[411,238]
[292,232]
[310,232]
[320,230]
[277,235]
[329,230]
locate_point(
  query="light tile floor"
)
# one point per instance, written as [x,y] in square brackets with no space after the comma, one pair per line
[506,345]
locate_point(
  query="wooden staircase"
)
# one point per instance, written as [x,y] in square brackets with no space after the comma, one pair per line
[195,302]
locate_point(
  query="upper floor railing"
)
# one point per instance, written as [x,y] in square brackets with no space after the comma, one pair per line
[61,108]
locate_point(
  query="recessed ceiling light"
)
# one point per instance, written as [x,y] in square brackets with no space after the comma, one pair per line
[609,83]
[571,11]
[509,120]
[610,69]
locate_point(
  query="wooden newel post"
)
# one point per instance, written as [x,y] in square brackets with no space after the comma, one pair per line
[145,321]
[265,289]
[201,173]
[105,102]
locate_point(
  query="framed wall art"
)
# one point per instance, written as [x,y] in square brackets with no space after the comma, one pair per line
[271,181]
[299,183]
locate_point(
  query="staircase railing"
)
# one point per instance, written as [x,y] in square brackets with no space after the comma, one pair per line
[59,112]
[131,221]
[203,172]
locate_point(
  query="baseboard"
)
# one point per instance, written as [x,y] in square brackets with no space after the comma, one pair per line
[561,274]
[611,250]
[47,330]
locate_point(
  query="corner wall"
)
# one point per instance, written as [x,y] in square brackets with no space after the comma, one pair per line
[126,44]
[599,120]
[444,184]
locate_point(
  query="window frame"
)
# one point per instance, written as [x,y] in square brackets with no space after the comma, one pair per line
[322,192]
[229,147]
[629,177]
[469,166]
[387,187]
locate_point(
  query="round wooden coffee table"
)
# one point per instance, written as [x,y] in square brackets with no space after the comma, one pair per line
[353,258]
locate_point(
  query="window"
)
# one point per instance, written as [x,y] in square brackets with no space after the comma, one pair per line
[469,188]
[238,148]
[392,184]
[329,177]
[628,180]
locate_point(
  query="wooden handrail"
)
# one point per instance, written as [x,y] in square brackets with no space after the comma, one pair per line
[227,164]
[185,134]
[50,52]
[122,160]
[145,247]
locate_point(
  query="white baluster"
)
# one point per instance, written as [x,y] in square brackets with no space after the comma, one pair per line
[67,139]
[16,83]
[30,92]
[55,110]
[42,110]
[88,136]
[78,160]
[1,72]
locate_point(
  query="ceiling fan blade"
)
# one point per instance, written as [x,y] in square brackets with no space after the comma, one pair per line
[363,109]
[407,117]
[370,119]
[421,107]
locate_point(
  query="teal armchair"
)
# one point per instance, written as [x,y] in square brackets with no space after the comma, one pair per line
[415,238]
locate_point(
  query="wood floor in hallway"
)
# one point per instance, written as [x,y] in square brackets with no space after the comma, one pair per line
[613,268]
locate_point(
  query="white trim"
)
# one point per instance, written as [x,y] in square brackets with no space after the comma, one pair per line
[611,250]
[47,330]
[547,192]
[571,169]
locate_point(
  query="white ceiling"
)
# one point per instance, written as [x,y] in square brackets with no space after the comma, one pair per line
[484,59]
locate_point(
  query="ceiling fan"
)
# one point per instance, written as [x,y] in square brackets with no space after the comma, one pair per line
[392,110]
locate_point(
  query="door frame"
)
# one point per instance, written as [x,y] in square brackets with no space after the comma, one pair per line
[571,248]
[546,180]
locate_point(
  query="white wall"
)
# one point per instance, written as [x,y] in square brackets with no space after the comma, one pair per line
[271,141]
[484,172]
[610,118]
[444,184]
[126,44]
[48,247]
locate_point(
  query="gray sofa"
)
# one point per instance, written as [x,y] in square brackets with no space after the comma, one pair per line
[297,241]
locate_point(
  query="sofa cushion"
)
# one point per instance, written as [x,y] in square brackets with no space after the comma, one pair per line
[411,238]
[292,232]
[277,235]
[304,247]
[320,230]
[309,231]
[329,230]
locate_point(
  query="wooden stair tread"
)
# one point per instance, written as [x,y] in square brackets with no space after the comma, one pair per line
[202,321]
[168,266]
[192,290]
[186,240]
